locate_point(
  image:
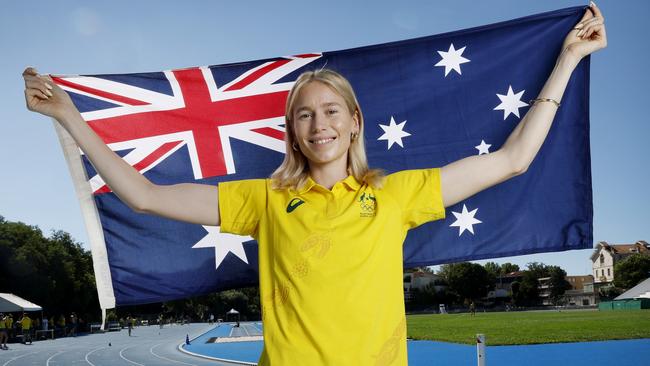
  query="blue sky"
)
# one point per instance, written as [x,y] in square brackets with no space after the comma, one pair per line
[80,37]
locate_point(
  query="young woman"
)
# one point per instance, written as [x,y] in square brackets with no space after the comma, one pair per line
[329,228]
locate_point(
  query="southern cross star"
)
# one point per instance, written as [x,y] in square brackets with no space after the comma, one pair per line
[483,148]
[465,220]
[393,133]
[452,59]
[510,103]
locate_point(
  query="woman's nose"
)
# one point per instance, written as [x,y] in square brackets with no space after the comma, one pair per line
[318,122]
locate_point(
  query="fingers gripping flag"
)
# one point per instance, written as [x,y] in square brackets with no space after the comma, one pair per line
[427,102]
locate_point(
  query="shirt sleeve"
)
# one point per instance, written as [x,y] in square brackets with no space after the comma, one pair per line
[418,193]
[241,206]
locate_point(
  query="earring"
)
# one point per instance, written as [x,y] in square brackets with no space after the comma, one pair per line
[294,146]
[354,136]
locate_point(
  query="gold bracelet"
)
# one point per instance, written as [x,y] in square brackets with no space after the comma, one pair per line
[534,101]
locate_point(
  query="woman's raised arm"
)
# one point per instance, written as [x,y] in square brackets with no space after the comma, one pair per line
[195,203]
[468,176]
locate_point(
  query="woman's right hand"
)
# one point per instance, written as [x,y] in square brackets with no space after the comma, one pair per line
[45,97]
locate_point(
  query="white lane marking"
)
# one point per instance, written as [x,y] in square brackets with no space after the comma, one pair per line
[88,354]
[47,363]
[126,359]
[236,362]
[165,358]
[17,357]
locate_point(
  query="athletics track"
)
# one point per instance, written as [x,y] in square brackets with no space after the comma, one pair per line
[634,352]
[153,346]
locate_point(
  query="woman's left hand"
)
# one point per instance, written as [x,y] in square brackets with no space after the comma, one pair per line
[588,36]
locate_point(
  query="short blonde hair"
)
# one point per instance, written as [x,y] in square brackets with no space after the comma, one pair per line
[294,170]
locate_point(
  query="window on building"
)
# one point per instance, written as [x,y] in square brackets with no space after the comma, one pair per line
[608,272]
[602,259]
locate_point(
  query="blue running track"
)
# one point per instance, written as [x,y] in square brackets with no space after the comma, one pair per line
[633,352]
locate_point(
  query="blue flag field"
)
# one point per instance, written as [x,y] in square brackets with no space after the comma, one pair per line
[427,102]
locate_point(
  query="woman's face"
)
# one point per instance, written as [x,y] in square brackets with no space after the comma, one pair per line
[323,124]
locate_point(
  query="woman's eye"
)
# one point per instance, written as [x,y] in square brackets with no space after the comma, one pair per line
[332,111]
[304,115]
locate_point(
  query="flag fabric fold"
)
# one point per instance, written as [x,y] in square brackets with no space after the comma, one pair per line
[426,102]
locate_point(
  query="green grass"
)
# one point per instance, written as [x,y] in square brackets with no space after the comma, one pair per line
[531,327]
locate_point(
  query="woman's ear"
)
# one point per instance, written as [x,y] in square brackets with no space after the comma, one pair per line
[355,118]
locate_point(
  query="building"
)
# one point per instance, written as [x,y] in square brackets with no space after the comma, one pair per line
[636,298]
[582,291]
[418,280]
[640,291]
[606,256]
[544,290]
[503,286]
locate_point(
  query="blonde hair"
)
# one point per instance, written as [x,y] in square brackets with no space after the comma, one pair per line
[294,170]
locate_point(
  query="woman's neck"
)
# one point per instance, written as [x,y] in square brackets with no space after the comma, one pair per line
[328,175]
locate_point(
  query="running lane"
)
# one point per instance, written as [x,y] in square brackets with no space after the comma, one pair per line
[149,345]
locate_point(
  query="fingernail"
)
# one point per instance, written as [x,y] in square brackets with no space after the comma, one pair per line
[580,32]
[591,3]
[49,93]
[48,86]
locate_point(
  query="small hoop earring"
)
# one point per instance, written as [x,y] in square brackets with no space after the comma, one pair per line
[294,146]
[354,136]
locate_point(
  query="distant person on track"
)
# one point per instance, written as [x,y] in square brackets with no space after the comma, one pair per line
[4,336]
[26,325]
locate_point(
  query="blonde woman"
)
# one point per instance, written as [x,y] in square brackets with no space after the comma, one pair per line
[329,228]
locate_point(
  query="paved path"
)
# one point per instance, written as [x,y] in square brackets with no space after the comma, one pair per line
[145,347]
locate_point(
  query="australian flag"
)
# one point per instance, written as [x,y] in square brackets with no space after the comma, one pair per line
[427,102]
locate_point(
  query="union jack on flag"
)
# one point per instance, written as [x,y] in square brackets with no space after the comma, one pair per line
[426,102]
[154,115]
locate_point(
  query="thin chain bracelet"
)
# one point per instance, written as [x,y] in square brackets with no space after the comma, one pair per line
[534,101]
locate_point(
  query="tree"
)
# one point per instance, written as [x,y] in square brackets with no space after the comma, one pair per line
[492,268]
[631,270]
[422,269]
[509,268]
[557,284]
[494,271]
[527,292]
[538,270]
[46,270]
[469,280]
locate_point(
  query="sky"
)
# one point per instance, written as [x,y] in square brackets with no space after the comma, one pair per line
[82,37]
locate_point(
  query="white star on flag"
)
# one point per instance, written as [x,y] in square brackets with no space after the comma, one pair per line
[465,220]
[510,103]
[393,133]
[483,148]
[452,59]
[223,244]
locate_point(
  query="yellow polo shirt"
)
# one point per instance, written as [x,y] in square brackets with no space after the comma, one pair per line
[330,264]
[26,323]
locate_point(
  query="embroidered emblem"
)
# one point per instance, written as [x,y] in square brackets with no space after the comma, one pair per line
[314,247]
[390,349]
[368,205]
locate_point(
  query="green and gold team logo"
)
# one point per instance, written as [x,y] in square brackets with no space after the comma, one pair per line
[368,204]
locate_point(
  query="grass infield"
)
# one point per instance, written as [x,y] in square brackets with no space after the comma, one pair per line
[531,327]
